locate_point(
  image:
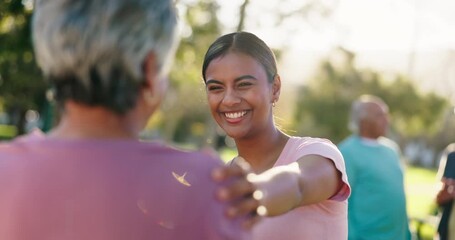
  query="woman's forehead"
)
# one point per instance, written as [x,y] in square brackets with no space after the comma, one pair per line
[237,60]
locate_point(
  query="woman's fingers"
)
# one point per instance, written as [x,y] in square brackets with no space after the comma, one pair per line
[244,207]
[248,223]
[238,168]
[238,191]
[226,172]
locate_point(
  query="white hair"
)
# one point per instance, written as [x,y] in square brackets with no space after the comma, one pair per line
[359,112]
[103,44]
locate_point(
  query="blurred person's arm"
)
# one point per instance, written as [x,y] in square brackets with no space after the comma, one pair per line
[447,191]
[446,174]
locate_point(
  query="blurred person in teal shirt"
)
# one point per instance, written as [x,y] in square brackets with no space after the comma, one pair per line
[377,206]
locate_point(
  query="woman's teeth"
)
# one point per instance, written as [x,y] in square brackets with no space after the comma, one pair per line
[235,114]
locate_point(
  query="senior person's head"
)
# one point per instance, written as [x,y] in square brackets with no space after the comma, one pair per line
[369,117]
[107,54]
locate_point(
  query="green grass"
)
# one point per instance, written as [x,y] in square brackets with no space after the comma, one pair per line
[227,154]
[421,189]
[7,131]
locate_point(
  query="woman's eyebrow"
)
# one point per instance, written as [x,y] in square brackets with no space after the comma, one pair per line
[214,81]
[245,77]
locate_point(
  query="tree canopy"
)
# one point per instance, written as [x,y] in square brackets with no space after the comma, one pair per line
[323,105]
[21,84]
[321,109]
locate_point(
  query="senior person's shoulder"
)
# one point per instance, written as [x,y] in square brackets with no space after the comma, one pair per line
[349,142]
[19,143]
[176,155]
[387,142]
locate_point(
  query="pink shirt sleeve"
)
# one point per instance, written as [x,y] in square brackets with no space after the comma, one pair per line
[298,147]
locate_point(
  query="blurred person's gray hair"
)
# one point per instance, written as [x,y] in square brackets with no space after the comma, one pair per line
[93,51]
[359,112]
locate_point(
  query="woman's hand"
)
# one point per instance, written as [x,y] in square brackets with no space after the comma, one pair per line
[238,191]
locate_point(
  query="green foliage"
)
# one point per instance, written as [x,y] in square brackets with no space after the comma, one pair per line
[323,105]
[21,84]
[7,132]
[200,30]
[185,109]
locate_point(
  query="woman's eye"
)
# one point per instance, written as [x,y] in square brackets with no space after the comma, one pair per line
[244,84]
[213,88]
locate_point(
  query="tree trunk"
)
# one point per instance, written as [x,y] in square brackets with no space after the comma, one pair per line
[242,16]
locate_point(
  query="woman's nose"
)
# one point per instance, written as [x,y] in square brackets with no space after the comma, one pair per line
[231,98]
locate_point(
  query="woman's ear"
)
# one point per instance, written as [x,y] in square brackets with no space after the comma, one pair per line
[276,88]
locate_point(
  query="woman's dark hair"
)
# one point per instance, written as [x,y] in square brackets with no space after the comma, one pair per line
[243,42]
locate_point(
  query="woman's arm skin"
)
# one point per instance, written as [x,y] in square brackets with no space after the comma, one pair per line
[311,179]
[319,179]
[280,189]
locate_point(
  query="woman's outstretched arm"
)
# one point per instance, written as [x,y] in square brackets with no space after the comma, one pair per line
[309,180]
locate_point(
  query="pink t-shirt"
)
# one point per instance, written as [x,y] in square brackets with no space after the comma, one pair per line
[322,221]
[107,190]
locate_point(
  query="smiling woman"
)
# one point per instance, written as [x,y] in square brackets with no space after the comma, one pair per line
[301,181]
[237,84]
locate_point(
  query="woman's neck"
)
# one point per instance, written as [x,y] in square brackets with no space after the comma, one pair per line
[262,152]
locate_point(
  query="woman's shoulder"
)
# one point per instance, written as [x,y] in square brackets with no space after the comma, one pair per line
[298,147]
[305,142]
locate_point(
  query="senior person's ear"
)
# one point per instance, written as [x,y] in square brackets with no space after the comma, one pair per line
[155,85]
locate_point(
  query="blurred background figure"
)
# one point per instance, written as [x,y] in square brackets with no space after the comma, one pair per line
[444,198]
[90,178]
[377,206]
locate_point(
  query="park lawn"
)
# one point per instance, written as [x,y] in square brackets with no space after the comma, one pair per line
[7,132]
[227,154]
[421,187]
